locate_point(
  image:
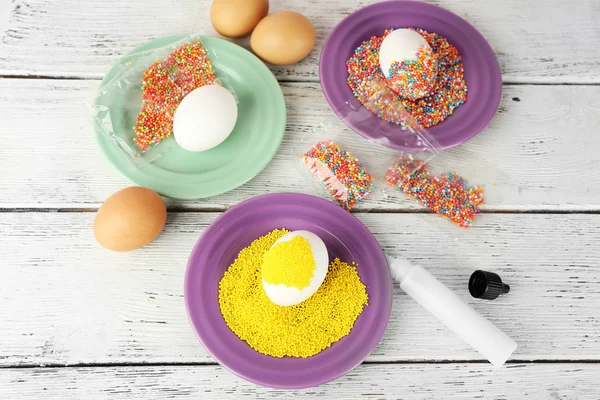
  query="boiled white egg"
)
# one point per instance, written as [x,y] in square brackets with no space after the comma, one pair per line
[399,45]
[205,118]
[408,63]
[294,268]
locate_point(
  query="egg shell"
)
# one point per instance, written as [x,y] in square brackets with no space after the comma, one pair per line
[283,295]
[399,45]
[283,38]
[205,118]
[236,18]
[129,219]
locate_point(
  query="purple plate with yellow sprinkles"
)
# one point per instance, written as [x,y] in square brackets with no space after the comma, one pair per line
[481,70]
[345,237]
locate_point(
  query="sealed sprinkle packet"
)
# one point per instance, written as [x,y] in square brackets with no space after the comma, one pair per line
[340,172]
[136,103]
[350,167]
[457,185]
[448,195]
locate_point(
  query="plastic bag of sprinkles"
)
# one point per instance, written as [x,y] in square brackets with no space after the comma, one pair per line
[362,173]
[136,103]
[346,179]
[384,120]
[456,186]
[348,167]
[351,168]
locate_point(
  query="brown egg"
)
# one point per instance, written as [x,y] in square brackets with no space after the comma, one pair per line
[130,219]
[235,18]
[283,38]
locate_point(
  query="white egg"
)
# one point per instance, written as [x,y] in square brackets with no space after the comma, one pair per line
[399,45]
[283,295]
[205,118]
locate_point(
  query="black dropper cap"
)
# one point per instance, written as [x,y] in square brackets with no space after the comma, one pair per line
[486,285]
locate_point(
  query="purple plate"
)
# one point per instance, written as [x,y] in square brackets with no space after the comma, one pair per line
[345,237]
[482,72]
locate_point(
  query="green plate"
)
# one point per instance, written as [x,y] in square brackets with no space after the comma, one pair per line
[251,146]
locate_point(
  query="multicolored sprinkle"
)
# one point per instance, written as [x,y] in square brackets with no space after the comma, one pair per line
[164,85]
[341,173]
[449,91]
[448,195]
[413,79]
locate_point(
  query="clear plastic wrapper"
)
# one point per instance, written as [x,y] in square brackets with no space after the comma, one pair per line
[384,120]
[456,185]
[343,175]
[136,106]
[356,173]
[448,194]
[405,161]
[351,168]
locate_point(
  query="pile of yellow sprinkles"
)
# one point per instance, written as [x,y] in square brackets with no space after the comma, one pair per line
[302,330]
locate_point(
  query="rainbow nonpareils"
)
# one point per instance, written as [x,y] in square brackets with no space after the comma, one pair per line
[414,79]
[164,85]
[450,89]
[448,195]
[341,173]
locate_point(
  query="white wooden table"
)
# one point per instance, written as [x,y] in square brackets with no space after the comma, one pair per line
[80,322]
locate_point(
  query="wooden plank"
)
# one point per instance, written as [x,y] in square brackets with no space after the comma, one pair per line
[65,300]
[538,151]
[71,38]
[443,381]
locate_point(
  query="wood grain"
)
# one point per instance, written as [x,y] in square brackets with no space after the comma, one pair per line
[73,38]
[539,153]
[444,381]
[64,300]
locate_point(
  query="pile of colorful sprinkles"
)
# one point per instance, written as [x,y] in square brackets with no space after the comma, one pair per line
[164,84]
[448,195]
[341,173]
[449,91]
[302,330]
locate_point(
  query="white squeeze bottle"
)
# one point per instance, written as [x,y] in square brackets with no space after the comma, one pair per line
[457,315]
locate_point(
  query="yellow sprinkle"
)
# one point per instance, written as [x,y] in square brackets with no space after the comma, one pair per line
[291,263]
[302,330]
